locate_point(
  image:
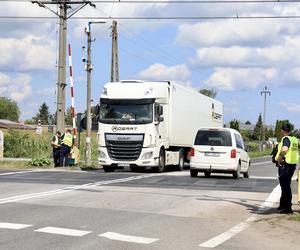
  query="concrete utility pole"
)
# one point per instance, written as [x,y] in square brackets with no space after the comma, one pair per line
[89,68]
[114,54]
[265,92]
[63,15]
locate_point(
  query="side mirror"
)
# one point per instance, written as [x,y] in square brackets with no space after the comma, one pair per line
[158,110]
[96,110]
[160,119]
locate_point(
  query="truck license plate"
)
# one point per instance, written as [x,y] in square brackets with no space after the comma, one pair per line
[123,165]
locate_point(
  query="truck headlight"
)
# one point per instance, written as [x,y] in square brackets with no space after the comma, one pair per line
[102,155]
[147,155]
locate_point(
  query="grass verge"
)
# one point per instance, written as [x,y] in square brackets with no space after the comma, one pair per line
[256,154]
[18,165]
[295,217]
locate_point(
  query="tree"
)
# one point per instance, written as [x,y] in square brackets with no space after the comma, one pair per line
[278,126]
[235,124]
[43,115]
[257,133]
[248,122]
[9,109]
[208,92]
[69,118]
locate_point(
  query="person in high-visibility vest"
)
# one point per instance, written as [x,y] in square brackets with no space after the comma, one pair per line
[56,141]
[65,148]
[287,157]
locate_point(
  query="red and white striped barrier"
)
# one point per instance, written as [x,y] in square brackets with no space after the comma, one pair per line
[72,91]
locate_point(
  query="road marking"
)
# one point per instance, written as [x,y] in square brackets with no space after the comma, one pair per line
[13,225]
[128,238]
[264,177]
[20,172]
[72,188]
[62,231]
[260,163]
[221,238]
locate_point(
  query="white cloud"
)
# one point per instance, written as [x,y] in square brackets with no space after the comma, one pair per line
[226,33]
[28,53]
[239,78]
[231,107]
[46,92]
[282,56]
[291,107]
[17,88]
[159,72]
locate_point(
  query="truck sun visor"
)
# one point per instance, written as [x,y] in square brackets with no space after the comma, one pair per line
[127,101]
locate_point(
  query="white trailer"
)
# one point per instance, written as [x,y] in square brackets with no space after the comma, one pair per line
[151,124]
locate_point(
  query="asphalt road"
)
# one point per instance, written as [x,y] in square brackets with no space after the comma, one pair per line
[57,209]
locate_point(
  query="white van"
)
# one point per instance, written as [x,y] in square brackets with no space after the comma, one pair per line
[219,150]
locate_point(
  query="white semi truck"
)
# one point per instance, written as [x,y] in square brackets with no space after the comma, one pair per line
[151,124]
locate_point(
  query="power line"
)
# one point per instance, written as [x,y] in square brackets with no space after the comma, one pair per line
[176,1]
[162,18]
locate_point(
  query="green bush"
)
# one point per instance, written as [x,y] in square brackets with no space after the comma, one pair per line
[39,162]
[26,144]
[252,146]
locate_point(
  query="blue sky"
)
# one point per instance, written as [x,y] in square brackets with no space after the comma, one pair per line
[237,58]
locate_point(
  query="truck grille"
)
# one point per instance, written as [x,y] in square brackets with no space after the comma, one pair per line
[124,147]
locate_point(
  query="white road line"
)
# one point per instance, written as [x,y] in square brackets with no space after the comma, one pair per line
[7,225]
[62,231]
[20,172]
[221,238]
[264,177]
[72,188]
[128,238]
[260,163]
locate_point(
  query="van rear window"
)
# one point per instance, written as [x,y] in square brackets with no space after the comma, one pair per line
[213,138]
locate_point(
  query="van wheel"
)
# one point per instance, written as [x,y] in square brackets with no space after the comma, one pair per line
[207,174]
[246,175]
[161,161]
[193,173]
[237,173]
[108,169]
[180,165]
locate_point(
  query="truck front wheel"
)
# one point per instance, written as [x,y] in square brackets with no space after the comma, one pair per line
[108,169]
[161,161]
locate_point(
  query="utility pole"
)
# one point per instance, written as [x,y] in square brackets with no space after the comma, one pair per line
[114,54]
[63,16]
[89,69]
[264,92]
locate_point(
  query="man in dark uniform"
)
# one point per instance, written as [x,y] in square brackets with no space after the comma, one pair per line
[287,158]
[56,141]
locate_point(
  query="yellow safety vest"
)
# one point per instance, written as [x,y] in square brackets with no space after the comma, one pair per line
[292,155]
[68,140]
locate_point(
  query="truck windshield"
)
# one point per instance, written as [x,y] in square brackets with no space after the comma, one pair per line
[114,113]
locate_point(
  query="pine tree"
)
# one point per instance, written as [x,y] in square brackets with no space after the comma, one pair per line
[234,124]
[43,115]
[69,118]
[257,133]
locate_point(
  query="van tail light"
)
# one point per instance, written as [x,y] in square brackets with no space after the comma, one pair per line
[233,153]
[192,152]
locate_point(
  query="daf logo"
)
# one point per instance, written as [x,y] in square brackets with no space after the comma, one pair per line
[116,128]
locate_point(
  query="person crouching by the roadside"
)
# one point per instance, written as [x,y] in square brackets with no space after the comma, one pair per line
[287,157]
[56,141]
[65,148]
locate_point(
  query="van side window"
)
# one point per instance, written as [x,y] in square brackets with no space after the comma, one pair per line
[239,141]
